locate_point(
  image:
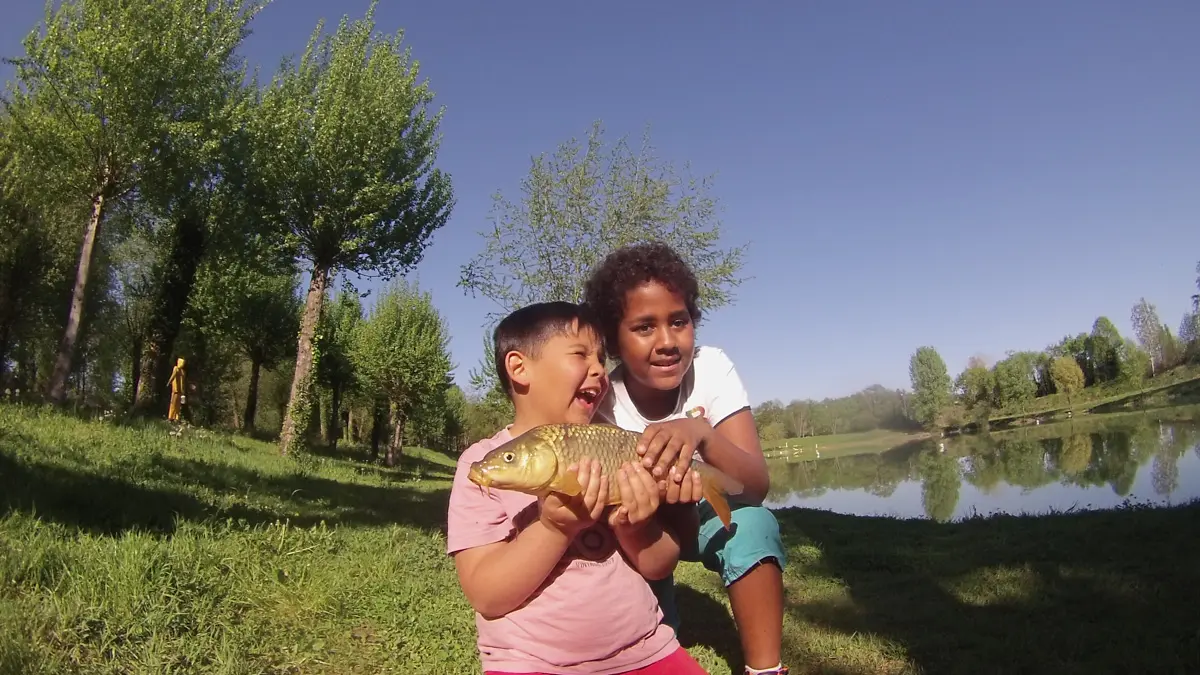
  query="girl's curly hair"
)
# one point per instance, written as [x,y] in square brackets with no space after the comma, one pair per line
[628,267]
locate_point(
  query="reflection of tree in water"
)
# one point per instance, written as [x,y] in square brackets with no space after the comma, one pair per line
[940,482]
[1075,455]
[876,473]
[1174,441]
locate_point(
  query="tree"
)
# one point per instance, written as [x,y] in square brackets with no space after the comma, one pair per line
[256,309]
[1068,376]
[401,350]
[1104,350]
[930,383]
[1136,365]
[1148,329]
[346,157]
[101,92]
[581,204]
[1014,378]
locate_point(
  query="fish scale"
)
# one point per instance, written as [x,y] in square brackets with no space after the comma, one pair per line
[536,463]
[611,446]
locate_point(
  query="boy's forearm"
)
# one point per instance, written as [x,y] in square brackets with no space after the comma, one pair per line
[742,466]
[651,549]
[504,578]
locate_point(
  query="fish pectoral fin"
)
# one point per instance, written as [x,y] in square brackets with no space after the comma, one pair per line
[567,484]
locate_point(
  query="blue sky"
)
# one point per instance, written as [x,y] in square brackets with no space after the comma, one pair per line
[976,176]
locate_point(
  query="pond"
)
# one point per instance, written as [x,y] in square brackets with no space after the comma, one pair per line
[1089,463]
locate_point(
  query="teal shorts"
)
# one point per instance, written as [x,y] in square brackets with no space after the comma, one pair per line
[755,539]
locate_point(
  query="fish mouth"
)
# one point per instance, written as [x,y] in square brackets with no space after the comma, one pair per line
[477,476]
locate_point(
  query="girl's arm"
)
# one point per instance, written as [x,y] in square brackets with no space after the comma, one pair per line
[734,448]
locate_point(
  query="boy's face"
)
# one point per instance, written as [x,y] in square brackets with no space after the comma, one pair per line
[656,338]
[567,378]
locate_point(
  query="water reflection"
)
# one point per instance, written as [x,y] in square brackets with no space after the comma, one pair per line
[1095,463]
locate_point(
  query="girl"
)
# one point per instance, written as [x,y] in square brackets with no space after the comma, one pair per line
[688,399]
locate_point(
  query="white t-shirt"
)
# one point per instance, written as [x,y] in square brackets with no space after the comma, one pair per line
[711,388]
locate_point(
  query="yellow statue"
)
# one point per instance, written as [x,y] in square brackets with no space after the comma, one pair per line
[177,396]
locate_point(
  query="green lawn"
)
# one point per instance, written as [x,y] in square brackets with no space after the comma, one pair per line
[129,551]
[839,445]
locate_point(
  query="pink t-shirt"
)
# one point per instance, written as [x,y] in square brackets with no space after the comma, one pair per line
[594,614]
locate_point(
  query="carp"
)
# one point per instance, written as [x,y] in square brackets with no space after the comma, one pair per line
[536,463]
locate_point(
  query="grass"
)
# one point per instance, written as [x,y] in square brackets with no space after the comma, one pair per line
[839,445]
[125,550]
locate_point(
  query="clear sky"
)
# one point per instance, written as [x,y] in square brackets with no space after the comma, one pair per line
[976,176]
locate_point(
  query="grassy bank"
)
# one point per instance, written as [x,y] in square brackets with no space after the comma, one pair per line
[128,551]
[1179,386]
[839,445]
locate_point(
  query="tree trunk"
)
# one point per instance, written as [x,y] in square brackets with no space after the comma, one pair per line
[379,417]
[395,448]
[251,397]
[335,417]
[187,248]
[299,408]
[135,370]
[66,348]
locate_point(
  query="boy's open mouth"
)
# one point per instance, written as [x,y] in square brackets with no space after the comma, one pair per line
[589,396]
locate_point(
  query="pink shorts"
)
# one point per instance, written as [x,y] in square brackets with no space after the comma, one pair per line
[679,662]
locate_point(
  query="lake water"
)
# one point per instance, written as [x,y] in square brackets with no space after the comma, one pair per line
[1091,463]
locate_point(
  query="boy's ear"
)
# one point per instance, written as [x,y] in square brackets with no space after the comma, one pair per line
[517,365]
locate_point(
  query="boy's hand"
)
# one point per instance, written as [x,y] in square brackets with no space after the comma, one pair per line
[664,443]
[572,515]
[639,498]
[687,491]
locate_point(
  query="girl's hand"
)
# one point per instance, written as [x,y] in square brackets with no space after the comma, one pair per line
[639,498]
[664,443]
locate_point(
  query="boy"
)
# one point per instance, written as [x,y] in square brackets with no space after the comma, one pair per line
[688,399]
[549,580]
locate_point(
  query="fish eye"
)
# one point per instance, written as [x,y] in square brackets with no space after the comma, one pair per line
[509,457]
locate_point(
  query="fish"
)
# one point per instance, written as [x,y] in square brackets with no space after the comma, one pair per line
[536,463]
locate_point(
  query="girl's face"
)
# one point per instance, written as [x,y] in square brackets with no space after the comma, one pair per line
[656,338]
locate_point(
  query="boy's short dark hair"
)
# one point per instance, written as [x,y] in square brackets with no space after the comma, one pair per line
[630,266]
[525,330]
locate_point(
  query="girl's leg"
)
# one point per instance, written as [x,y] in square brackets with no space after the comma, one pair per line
[750,563]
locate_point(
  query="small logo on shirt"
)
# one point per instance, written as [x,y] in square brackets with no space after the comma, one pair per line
[698,411]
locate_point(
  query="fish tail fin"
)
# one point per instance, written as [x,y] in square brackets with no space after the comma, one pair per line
[715,484]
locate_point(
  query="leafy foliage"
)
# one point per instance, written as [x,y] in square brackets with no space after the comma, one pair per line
[401,350]
[576,207]
[931,385]
[1067,375]
[345,159]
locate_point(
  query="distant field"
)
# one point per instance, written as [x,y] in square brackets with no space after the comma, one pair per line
[839,445]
